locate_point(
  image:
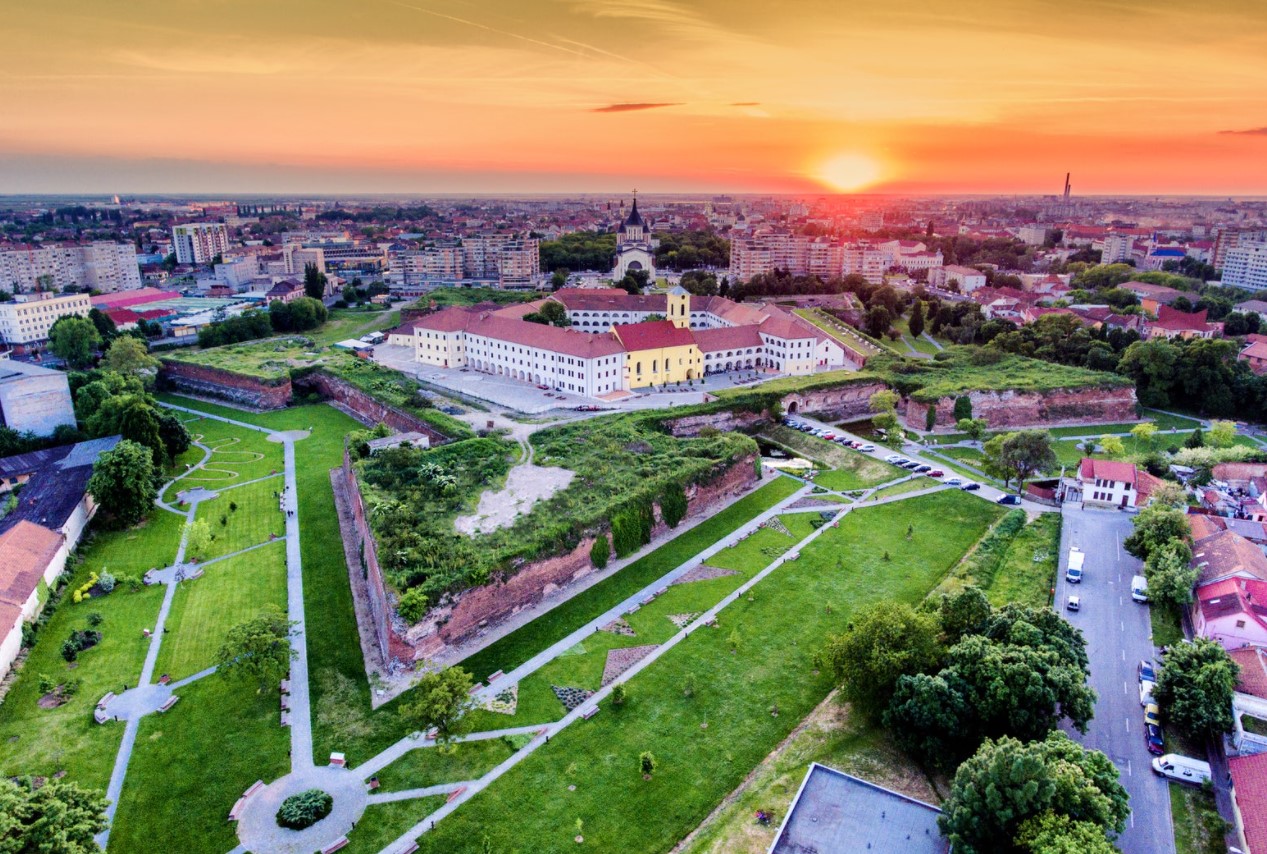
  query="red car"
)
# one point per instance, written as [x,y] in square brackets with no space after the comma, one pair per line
[935,473]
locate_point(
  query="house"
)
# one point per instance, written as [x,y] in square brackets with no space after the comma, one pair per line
[1227,554]
[1172,323]
[54,487]
[1239,475]
[32,554]
[1250,699]
[1255,354]
[287,290]
[966,278]
[1232,611]
[834,811]
[1249,800]
[1108,483]
[1205,524]
[1153,297]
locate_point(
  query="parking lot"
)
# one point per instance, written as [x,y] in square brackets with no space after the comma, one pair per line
[1118,634]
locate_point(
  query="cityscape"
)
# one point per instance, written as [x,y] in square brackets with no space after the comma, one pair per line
[633,426]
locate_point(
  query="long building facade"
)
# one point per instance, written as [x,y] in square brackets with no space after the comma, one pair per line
[102,266]
[618,342]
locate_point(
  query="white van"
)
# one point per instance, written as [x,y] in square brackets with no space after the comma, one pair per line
[1139,588]
[1184,769]
[1074,573]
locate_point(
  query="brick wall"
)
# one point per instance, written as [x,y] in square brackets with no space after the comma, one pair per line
[1003,409]
[365,408]
[842,403]
[240,389]
[461,617]
[376,591]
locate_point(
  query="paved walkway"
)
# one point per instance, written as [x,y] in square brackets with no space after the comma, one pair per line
[411,794]
[257,825]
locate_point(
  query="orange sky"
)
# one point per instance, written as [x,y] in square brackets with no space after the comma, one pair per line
[602,95]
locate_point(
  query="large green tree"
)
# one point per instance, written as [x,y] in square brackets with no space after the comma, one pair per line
[315,282]
[1007,783]
[130,357]
[1170,574]
[1152,365]
[1157,525]
[1053,833]
[57,818]
[258,649]
[122,482]
[1026,452]
[1195,688]
[883,643]
[441,699]
[74,339]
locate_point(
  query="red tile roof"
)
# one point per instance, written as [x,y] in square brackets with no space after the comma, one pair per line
[1249,785]
[1093,469]
[451,319]
[1240,596]
[727,338]
[1253,676]
[1226,554]
[570,342]
[652,335]
[28,549]
[780,324]
[610,299]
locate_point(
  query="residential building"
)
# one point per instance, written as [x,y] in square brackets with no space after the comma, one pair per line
[296,257]
[1228,239]
[1225,555]
[33,398]
[1253,306]
[1173,323]
[1255,354]
[26,319]
[1250,700]
[1117,248]
[1033,235]
[967,278]
[238,274]
[767,250]
[1153,297]
[1249,800]
[1246,267]
[32,555]
[199,242]
[1108,483]
[1232,611]
[101,266]
[863,259]
[287,290]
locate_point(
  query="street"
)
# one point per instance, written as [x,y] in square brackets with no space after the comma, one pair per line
[1118,635]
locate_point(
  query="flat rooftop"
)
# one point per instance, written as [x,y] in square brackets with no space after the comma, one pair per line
[836,812]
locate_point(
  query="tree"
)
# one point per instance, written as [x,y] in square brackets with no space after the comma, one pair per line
[74,340]
[1222,434]
[1151,364]
[1170,574]
[1052,833]
[1196,439]
[1169,494]
[57,817]
[878,320]
[1007,783]
[122,482]
[258,649]
[129,356]
[916,323]
[885,642]
[647,763]
[105,326]
[559,278]
[199,539]
[600,552]
[1112,445]
[974,427]
[967,612]
[441,699]
[174,435]
[963,408]
[992,459]
[315,282]
[1144,433]
[1026,452]
[1195,688]
[1157,525]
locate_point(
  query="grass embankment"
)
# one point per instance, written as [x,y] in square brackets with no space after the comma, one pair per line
[430,766]
[1016,562]
[737,694]
[443,297]
[915,484]
[1198,826]
[381,823]
[842,468]
[344,323]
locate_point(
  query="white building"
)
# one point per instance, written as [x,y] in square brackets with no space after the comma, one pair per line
[199,242]
[634,249]
[26,319]
[1032,235]
[1245,266]
[33,398]
[101,265]
[1108,483]
[238,274]
[968,279]
[1117,248]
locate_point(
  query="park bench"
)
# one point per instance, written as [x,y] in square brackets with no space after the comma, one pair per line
[100,715]
[238,806]
[285,718]
[285,701]
[662,591]
[164,679]
[499,674]
[633,609]
[105,701]
[648,600]
[456,793]
[338,760]
[341,842]
[589,713]
[171,701]
[411,849]
[475,688]
[285,686]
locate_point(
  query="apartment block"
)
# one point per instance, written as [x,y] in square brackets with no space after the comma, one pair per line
[25,321]
[102,266]
[199,242]
[1245,266]
[510,262]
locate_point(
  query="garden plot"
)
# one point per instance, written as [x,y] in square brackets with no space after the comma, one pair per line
[525,486]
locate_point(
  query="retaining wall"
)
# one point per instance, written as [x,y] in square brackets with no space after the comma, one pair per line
[240,389]
[366,408]
[1003,409]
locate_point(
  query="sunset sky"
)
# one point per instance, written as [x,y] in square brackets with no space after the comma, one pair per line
[308,96]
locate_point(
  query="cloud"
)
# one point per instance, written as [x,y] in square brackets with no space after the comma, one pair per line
[746,104]
[629,108]
[1247,132]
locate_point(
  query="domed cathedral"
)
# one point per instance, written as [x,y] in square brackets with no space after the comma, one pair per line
[634,250]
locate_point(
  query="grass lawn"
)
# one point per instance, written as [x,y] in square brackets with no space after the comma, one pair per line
[850,469]
[1167,628]
[344,323]
[381,823]
[831,736]
[1166,421]
[430,766]
[246,453]
[1016,562]
[915,484]
[255,518]
[1198,826]
[203,610]
[750,700]
[192,762]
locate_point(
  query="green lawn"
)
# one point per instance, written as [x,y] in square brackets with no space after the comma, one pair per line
[1016,562]
[1167,628]
[204,609]
[245,453]
[915,484]
[381,823]
[1198,826]
[347,323]
[849,469]
[193,762]
[780,628]
[430,766]
[255,519]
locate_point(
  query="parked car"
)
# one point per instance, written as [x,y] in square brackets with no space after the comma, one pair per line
[953,481]
[921,469]
[935,473]
[1153,739]
[970,486]
[1074,604]
[866,448]
[1146,671]
[1010,500]
[1183,769]
[1152,714]
[892,458]
[1146,693]
[830,437]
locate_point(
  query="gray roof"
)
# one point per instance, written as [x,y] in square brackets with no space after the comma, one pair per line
[836,812]
[11,370]
[58,481]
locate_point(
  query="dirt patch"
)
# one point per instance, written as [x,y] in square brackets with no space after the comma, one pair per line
[52,701]
[525,486]
[704,572]
[683,620]
[618,627]
[620,660]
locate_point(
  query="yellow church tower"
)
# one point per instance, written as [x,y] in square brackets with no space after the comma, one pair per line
[679,307]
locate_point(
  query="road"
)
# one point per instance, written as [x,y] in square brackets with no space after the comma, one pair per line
[1118,635]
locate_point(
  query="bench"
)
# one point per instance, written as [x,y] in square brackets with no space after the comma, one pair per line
[341,842]
[100,715]
[411,849]
[285,718]
[499,674]
[648,600]
[105,701]
[456,793]
[338,760]
[475,688]
[164,679]
[662,591]
[285,701]
[633,609]
[171,701]
[236,812]
[197,573]
[255,787]
[589,713]
[285,686]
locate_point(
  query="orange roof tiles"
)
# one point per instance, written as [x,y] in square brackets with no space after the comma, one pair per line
[28,549]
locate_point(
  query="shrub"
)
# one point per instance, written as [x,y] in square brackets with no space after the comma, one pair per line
[70,688]
[600,552]
[412,605]
[673,504]
[304,809]
[94,619]
[930,416]
[79,640]
[963,407]
[233,507]
[647,763]
[47,685]
[618,695]
[106,582]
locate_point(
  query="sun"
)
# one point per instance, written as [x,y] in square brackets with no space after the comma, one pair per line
[849,171]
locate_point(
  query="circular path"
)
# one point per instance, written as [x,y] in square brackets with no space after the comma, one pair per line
[257,826]
[282,435]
